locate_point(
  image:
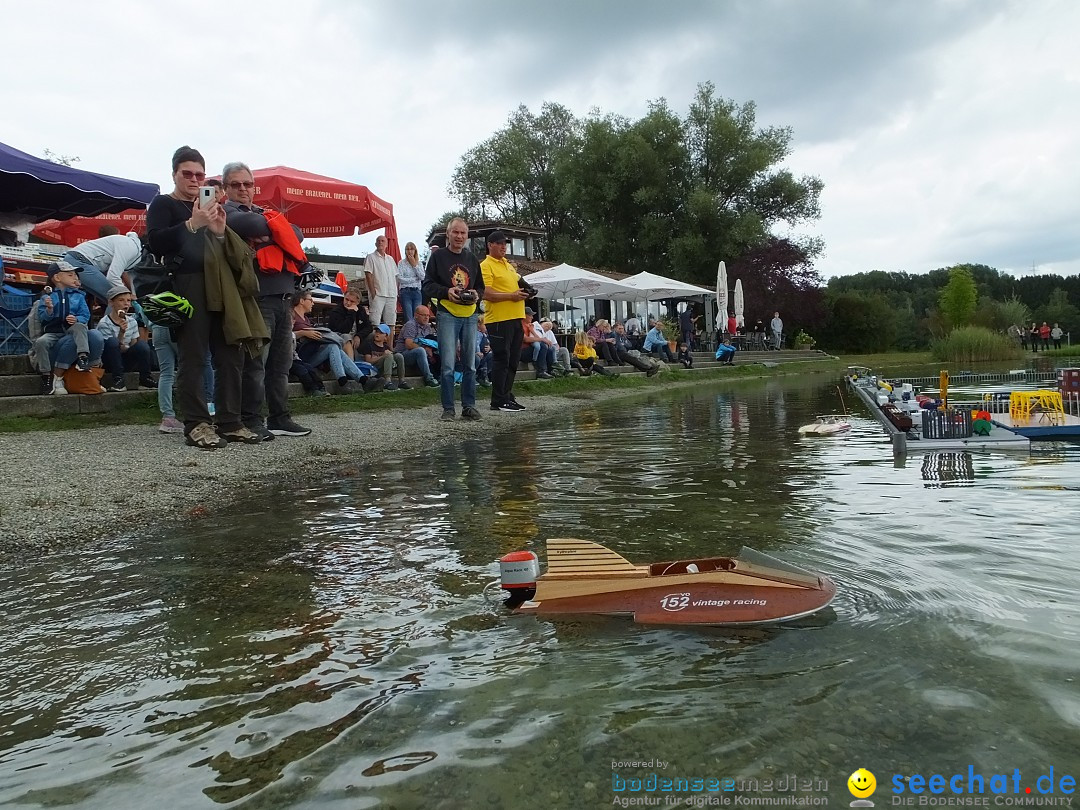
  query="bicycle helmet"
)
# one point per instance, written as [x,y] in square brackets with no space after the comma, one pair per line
[310,277]
[167,309]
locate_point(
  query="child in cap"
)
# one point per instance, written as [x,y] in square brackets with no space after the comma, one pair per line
[64,316]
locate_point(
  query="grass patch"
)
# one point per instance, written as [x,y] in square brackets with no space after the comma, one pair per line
[974,344]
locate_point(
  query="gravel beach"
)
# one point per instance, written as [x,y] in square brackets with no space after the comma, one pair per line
[69,488]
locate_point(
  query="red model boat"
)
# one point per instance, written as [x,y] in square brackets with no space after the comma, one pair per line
[587,578]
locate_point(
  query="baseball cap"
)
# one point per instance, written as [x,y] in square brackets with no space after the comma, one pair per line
[497,237]
[60,267]
[528,311]
[117,289]
[382,327]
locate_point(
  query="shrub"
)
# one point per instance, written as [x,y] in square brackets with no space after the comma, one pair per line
[973,344]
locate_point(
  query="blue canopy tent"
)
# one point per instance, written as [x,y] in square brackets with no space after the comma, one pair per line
[33,190]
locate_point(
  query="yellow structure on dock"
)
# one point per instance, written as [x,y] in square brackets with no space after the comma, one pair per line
[1046,404]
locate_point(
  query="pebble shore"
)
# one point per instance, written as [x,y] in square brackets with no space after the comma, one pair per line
[66,489]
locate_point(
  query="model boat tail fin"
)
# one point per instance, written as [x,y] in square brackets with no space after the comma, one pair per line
[570,556]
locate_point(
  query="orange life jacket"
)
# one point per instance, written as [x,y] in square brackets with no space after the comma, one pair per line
[284,253]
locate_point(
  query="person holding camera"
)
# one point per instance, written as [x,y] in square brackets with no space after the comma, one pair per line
[453,278]
[505,293]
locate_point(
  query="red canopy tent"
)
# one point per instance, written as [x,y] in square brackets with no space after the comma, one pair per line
[74,231]
[322,206]
[319,206]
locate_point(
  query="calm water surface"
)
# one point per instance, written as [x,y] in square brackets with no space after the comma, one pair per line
[332,648]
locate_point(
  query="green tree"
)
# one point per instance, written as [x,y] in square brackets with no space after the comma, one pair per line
[1058,310]
[858,323]
[958,298]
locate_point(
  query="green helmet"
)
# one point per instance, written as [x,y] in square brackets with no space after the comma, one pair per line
[167,309]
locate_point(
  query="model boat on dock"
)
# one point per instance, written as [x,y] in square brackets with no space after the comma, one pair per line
[586,578]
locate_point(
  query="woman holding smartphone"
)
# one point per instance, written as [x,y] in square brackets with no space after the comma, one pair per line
[177,227]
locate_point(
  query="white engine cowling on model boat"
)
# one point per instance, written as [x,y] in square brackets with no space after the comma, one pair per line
[518,572]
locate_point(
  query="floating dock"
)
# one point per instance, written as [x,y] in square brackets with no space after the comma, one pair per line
[912,441]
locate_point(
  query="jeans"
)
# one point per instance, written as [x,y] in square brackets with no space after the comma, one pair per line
[66,352]
[410,298]
[91,278]
[418,357]
[45,345]
[137,358]
[266,377]
[534,353]
[315,354]
[454,332]
[165,349]
[662,351]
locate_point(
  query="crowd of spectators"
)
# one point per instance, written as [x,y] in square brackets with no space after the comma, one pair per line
[246,322]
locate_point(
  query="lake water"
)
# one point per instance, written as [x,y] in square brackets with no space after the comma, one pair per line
[332,648]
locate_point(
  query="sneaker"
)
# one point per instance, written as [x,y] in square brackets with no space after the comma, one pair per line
[653,371]
[46,383]
[517,405]
[495,406]
[263,434]
[391,386]
[448,416]
[170,424]
[404,386]
[58,386]
[349,387]
[241,434]
[543,375]
[287,427]
[372,385]
[319,392]
[511,407]
[484,383]
[431,382]
[147,382]
[82,362]
[470,414]
[118,383]
[205,437]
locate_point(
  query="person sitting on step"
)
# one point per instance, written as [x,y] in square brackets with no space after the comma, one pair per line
[725,352]
[62,312]
[125,349]
[375,349]
[685,357]
[585,357]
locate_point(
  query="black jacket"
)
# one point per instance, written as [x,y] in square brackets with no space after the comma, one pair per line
[345,320]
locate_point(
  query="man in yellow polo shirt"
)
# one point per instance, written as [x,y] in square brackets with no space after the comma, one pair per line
[504,316]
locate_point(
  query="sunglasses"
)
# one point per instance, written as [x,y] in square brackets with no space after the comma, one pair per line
[237,184]
[190,175]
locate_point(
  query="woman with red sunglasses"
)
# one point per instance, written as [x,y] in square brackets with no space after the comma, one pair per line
[177,229]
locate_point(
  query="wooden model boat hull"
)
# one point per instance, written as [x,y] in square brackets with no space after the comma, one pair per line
[588,579]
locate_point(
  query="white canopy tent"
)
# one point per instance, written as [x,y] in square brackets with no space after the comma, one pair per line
[652,287]
[567,281]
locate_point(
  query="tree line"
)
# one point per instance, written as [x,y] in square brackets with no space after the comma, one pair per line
[673,194]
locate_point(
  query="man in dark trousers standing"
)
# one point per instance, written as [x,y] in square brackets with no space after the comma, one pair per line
[503,317]
[453,278]
[265,377]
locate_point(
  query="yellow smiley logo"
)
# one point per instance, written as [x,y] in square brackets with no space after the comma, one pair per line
[861,783]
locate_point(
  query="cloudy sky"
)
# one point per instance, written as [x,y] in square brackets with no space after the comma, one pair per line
[944,131]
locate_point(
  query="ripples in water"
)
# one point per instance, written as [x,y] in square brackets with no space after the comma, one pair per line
[338,651]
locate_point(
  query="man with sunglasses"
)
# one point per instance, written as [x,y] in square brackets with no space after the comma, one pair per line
[265,377]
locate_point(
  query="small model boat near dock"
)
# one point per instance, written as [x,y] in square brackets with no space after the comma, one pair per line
[827,425]
[586,578]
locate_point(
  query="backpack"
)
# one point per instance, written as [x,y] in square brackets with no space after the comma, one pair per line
[150,276]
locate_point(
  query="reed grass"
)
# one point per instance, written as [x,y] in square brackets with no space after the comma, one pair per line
[974,344]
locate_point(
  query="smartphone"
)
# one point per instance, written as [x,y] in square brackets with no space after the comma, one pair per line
[207,196]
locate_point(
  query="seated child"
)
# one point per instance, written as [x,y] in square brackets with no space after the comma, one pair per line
[585,357]
[685,357]
[63,313]
[725,352]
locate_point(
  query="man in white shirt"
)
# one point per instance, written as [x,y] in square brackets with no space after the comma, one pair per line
[380,275]
[101,263]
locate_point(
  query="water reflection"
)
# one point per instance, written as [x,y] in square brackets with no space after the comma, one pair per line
[332,647]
